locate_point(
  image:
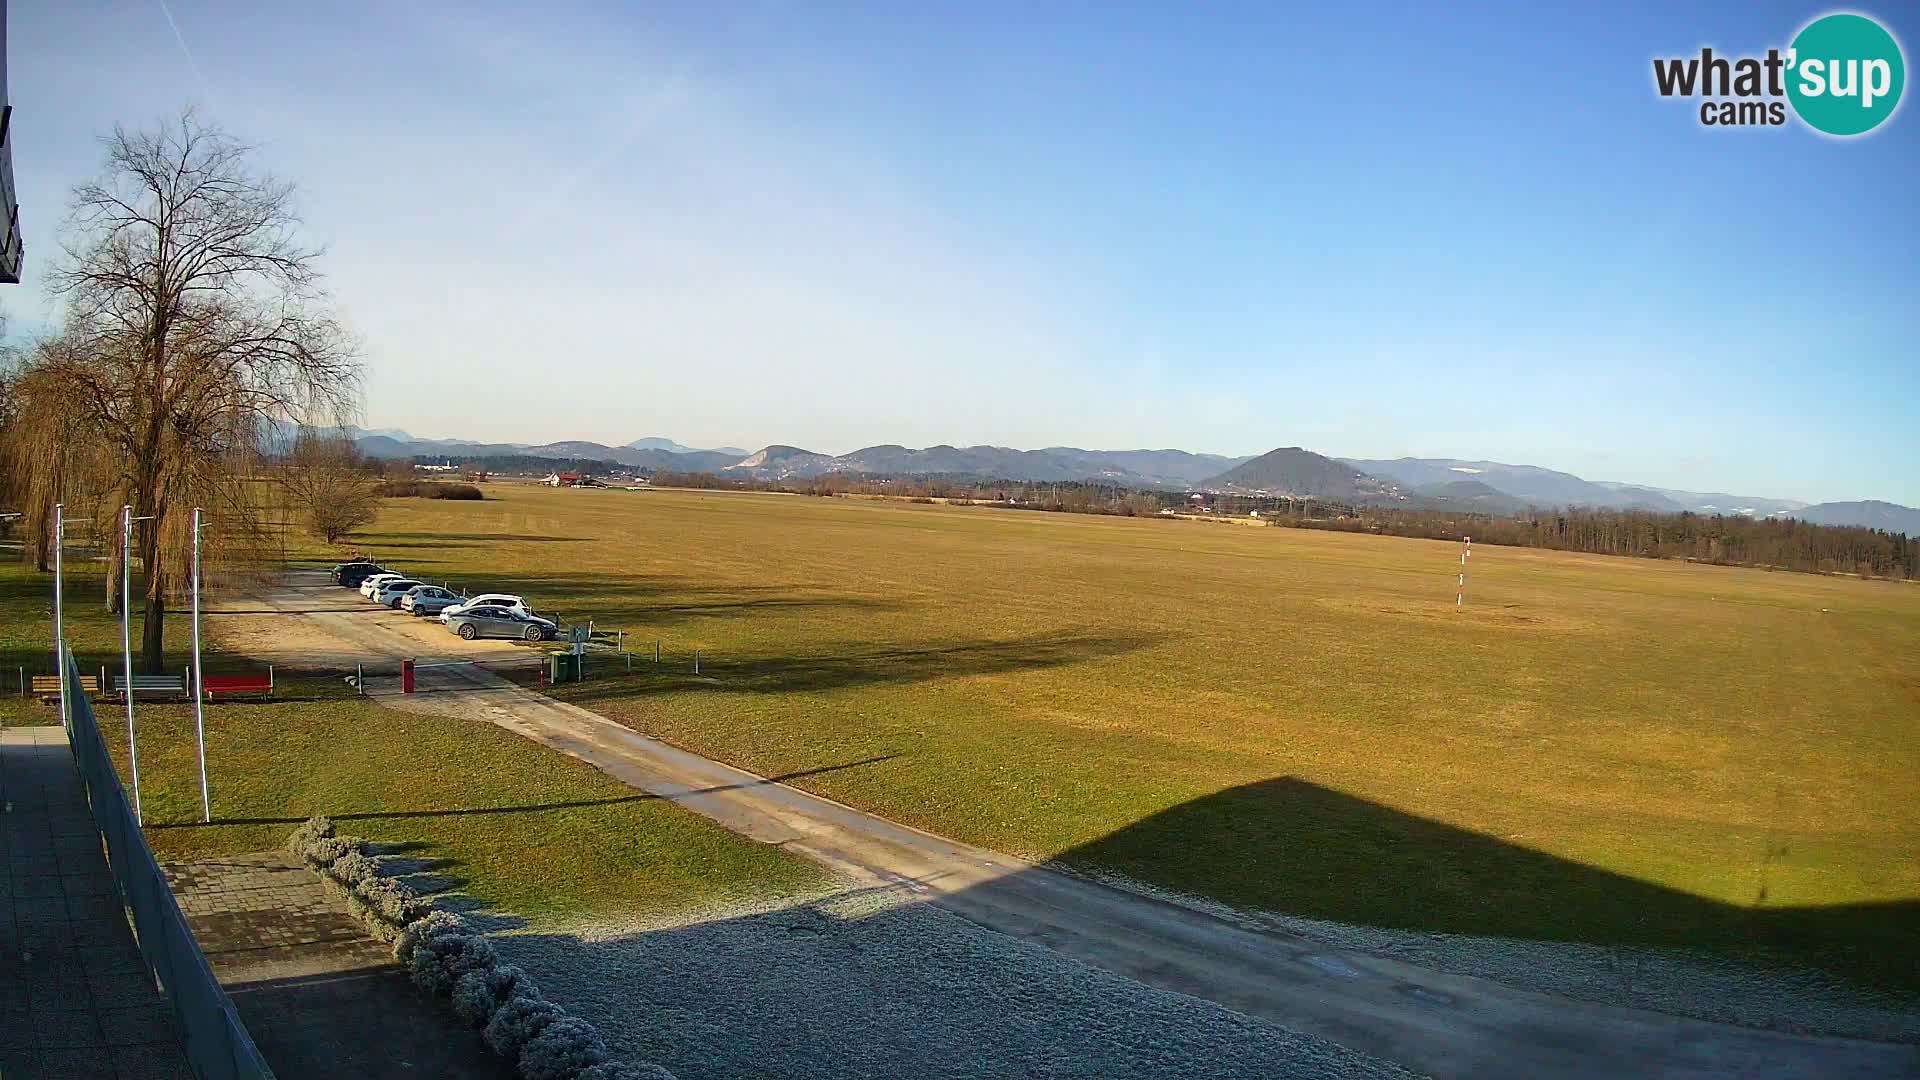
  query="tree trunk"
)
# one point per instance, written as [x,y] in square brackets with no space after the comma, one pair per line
[113,581]
[153,654]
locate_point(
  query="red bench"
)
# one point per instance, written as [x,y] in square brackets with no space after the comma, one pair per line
[237,684]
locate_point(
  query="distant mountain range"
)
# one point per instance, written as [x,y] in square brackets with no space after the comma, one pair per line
[1293,471]
[1545,487]
[1433,483]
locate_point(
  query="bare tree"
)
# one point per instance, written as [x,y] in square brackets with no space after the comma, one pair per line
[195,323]
[329,484]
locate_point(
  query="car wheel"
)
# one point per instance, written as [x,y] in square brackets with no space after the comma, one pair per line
[534,633]
[469,632]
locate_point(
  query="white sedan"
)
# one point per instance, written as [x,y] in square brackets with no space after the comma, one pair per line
[392,591]
[492,599]
[373,582]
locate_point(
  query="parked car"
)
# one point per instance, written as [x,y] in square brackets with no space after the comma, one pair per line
[374,581]
[428,600]
[494,621]
[389,593]
[495,599]
[351,574]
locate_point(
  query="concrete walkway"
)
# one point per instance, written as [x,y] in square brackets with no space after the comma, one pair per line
[320,997]
[75,998]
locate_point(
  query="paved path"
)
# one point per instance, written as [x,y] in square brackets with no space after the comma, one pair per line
[75,998]
[320,997]
[1446,1025]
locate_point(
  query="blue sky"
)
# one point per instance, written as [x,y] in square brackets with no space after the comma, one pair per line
[1435,230]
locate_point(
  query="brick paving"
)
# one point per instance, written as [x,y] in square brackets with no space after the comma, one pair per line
[320,997]
[75,997]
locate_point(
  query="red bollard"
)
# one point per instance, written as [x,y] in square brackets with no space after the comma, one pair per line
[406,676]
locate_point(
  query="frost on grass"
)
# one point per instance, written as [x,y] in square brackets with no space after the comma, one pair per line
[620,1070]
[868,987]
[1679,982]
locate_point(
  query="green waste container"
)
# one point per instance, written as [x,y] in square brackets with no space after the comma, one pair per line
[563,667]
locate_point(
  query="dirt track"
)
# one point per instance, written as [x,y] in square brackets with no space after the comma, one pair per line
[1443,1024]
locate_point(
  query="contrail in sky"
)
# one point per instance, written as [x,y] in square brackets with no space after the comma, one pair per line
[205,88]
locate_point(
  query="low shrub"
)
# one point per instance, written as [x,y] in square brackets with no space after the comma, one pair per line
[353,868]
[561,1049]
[391,903]
[425,928]
[440,961]
[318,827]
[478,994]
[324,852]
[444,955]
[517,1021]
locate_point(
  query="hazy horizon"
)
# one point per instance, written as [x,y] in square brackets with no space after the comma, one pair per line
[1476,233]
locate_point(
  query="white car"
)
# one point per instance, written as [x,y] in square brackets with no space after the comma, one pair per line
[390,591]
[491,599]
[368,586]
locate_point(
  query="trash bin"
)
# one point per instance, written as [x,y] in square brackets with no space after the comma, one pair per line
[561,668]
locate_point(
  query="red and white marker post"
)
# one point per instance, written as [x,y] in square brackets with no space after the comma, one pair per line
[1466,552]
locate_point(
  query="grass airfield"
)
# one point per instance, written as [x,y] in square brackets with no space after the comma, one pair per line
[1596,750]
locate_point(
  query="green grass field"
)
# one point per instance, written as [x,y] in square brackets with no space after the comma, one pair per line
[1596,749]
[518,827]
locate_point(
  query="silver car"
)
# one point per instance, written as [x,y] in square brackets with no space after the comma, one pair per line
[427,600]
[493,621]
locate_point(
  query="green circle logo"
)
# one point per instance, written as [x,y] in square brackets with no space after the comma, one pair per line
[1845,74]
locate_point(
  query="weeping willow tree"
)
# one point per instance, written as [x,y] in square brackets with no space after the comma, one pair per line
[196,324]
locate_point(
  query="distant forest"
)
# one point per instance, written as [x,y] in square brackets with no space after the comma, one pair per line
[1726,540]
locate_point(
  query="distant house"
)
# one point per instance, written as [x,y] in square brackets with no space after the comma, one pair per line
[561,479]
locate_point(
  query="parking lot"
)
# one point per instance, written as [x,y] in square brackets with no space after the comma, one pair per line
[306,622]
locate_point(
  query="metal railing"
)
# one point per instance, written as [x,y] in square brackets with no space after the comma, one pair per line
[216,1042]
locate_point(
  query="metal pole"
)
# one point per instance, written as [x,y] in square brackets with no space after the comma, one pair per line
[199,680]
[126,648]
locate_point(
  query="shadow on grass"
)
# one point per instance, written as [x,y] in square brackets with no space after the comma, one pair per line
[859,664]
[524,808]
[1290,846]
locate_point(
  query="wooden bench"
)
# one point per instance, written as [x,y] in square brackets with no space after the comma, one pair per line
[47,687]
[154,685]
[237,684]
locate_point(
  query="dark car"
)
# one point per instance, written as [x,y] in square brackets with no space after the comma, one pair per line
[488,620]
[351,574]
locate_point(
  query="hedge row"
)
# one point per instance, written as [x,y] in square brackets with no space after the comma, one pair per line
[448,958]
